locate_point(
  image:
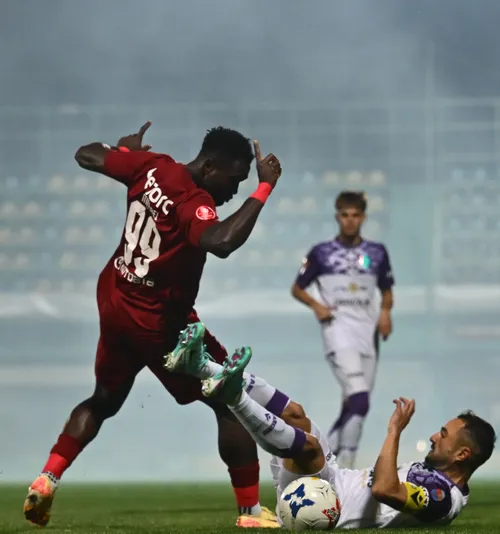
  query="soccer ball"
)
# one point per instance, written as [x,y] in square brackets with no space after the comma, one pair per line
[309,503]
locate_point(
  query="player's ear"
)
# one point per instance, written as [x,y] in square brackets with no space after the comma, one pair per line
[463,454]
[208,167]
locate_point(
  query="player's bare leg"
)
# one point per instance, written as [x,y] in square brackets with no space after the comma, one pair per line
[81,428]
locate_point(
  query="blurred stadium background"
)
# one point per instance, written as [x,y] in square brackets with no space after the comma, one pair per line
[399,99]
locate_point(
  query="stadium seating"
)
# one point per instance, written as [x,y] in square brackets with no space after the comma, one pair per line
[57,232]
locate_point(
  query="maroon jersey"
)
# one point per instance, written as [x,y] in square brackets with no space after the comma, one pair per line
[151,282]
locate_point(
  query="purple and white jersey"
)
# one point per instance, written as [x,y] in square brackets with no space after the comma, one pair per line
[434,498]
[437,500]
[347,278]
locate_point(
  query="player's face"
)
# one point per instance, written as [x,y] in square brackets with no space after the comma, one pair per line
[448,446]
[223,180]
[350,221]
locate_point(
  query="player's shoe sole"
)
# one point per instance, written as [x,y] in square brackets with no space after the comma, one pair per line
[188,355]
[38,503]
[227,384]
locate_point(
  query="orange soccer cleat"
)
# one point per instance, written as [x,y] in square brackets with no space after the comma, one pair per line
[38,502]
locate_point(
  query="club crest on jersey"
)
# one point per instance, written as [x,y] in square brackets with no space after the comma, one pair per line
[298,500]
[364,261]
[154,197]
[205,213]
[437,494]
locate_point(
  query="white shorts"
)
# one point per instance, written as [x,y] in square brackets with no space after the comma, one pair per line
[355,372]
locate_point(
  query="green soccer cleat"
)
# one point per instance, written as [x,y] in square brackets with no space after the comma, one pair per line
[227,385]
[189,355]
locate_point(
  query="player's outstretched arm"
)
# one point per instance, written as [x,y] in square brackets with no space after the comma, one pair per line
[387,488]
[92,157]
[230,234]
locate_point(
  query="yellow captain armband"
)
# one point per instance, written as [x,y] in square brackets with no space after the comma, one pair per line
[418,498]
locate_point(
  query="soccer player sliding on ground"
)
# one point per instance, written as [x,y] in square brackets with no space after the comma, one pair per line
[386,495]
[146,292]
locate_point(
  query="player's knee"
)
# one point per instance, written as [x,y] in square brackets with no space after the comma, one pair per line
[106,403]
[359,404]
[310,456]
[102,408]
[295,415]
[312,445]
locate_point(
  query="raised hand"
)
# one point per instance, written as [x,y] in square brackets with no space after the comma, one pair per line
[268,168]
[134,141]
[402,415]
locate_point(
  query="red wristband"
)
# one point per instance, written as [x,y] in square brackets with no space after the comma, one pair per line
[123,149]
[262,192]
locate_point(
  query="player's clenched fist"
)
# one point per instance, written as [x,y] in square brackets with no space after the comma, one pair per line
[268,168]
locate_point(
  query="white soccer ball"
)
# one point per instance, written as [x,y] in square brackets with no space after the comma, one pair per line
[309,503]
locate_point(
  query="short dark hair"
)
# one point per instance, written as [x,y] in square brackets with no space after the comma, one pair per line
[351,199]
[481,436]
[220,142]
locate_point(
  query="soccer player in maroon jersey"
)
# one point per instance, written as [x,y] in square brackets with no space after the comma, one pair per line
[147,290]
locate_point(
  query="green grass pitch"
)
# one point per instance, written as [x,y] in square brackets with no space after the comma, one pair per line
[181,508]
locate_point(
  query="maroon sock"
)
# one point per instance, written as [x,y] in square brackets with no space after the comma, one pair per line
[245,481]
[62,455]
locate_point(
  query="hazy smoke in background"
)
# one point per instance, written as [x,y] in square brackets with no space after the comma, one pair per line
[158,52]
[232,50]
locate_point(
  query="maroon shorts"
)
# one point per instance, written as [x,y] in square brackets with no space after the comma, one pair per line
[121,356]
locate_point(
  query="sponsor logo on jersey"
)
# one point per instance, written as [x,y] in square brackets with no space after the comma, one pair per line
[124,271]
[352,287]
[154,197]
[205,213]
[369,474]
[353,302]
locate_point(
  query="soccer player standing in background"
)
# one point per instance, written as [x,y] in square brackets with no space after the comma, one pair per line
[346,271]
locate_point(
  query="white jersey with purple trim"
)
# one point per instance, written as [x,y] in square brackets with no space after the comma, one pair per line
[347,278]
[435,499]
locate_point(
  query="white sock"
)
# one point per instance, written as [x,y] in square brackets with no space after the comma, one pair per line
[250,510]
[350,437]
[268,430]
[334,439]
[210,369]
[346,459]
[264,393]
